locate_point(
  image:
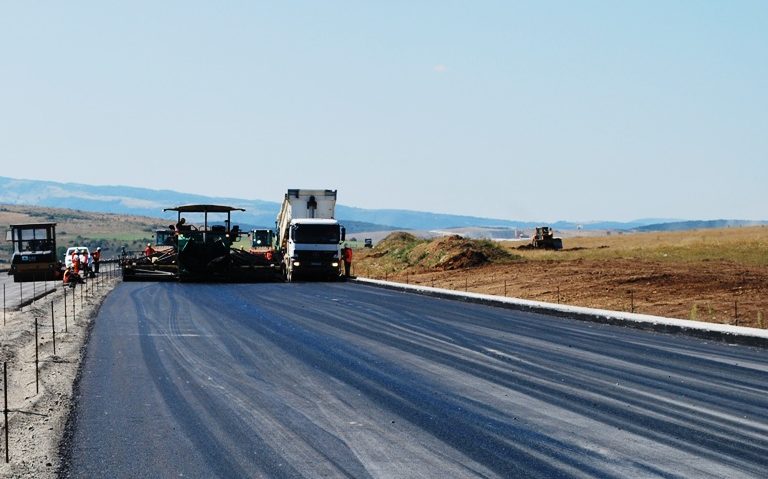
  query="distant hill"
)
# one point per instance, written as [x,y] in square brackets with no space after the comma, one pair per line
[691,225]
[148,202]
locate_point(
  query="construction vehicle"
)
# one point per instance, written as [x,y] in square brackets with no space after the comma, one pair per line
[308,236]
[34,252]
[545,239]
[161,264]
[206,253]
[165,239]
[264,252]
[200,252]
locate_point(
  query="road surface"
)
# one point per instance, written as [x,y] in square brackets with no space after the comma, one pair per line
[345,380]
[17,293]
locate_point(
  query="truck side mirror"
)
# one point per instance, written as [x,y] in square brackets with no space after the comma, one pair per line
[343,233]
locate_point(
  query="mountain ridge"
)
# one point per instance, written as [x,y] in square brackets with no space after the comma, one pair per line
[150,202]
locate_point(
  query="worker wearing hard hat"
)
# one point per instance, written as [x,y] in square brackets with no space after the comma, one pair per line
[75,262]
[149,250]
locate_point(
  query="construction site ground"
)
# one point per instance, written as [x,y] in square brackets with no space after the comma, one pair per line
[716,276]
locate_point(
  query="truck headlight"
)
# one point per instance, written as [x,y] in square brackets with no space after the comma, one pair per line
[296,263]
[335,264]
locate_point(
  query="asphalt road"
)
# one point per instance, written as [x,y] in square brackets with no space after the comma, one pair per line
[345,380]
[16,293]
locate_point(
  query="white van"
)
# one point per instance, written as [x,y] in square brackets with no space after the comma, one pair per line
[80,250]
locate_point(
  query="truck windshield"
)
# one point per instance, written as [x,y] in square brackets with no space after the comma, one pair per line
[323,234]
[261,238]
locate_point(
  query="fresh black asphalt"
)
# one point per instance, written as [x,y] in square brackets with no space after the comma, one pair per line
[346,380]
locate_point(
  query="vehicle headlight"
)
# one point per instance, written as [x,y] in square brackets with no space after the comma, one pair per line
[335,264]
[296,263]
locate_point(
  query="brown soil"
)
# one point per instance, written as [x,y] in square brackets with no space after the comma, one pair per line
[717,292]
[712,290]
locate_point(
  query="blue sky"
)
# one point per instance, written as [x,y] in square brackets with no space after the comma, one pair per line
[548,110]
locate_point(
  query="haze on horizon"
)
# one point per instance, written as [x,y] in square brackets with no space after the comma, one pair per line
[590,110]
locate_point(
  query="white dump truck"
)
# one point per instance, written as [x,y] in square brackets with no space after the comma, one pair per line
[308,235]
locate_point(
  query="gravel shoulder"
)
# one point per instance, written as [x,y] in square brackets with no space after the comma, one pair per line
[38,410]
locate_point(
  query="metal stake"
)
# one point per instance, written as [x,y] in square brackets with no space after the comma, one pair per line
[65,310]
[505,288]
[5,409]
[37,361]
[53,328]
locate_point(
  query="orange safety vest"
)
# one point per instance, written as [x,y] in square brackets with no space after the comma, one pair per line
[96,256]
[75,262]
[67,276]
[347,255]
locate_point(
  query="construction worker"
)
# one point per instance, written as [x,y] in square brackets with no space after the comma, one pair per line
[96,259]
[347,253]
[71,278]
[85,263]
[75,262]
[149,250]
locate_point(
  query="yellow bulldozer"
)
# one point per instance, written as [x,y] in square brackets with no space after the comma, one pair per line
[545,239]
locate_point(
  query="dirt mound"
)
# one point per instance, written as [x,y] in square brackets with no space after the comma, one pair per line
[404,251]
[397,244]
[396,240]
[456,252]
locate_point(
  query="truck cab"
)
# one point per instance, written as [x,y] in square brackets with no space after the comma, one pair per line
[312,248]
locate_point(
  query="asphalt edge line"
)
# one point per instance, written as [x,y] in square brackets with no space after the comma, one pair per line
[710,331]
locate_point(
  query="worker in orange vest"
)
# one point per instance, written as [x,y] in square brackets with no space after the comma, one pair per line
[149,251]
[76,262]
[96,259]
[85,263]
[347,252]
[71,278]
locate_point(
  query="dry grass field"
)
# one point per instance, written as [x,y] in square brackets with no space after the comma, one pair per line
[708,275]
[74,227]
